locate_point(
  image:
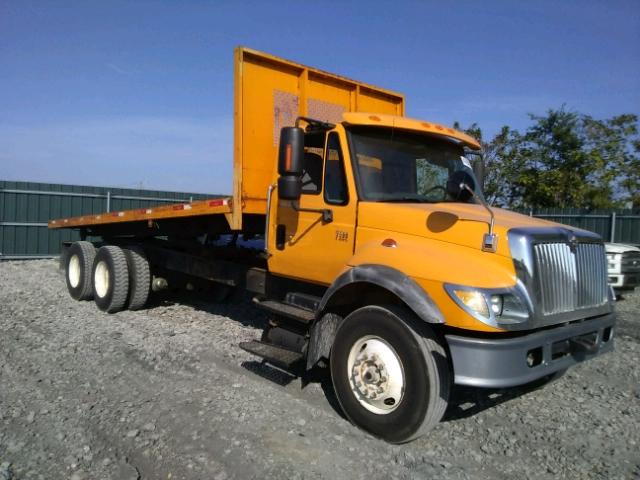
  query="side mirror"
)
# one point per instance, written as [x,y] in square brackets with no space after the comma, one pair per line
[290,163]
[455,188]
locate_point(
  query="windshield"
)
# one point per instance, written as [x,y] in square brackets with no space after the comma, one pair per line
[401,166]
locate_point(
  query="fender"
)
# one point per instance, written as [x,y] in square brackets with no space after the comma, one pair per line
[402,286]
[396,282]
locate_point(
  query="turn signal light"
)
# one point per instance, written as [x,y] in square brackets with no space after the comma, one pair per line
[473,300]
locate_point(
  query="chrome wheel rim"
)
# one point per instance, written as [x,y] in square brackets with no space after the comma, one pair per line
[74,271]
[376,375]
[101,279]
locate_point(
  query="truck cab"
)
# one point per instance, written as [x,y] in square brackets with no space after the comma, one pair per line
[355,177]
[387,213]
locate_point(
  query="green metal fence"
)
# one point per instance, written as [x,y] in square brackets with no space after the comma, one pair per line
[26,207]
[621,226]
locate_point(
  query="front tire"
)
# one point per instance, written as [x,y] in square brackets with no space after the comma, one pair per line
[389,380]
[110,278]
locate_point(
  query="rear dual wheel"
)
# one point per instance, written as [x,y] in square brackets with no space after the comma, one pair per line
[139,277]
[116,278]
[78,265]
[389,380]
[121,278]
[110,279]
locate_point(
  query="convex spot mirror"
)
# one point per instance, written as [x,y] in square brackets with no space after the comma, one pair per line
[290,163]
[454,185]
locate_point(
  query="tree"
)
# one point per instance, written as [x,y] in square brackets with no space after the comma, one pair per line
[564,159]
[502,164]
[560,171]
[616,141]
[631,182]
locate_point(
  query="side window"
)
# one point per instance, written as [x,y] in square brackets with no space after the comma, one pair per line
[312,168]
[335,183]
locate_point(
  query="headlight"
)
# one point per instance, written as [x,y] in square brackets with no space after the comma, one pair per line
[495,307]
[473,300]
[496,304]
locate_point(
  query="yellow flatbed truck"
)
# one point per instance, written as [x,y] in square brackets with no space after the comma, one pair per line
[377,255]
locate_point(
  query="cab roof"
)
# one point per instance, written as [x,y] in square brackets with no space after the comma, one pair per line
[404,123]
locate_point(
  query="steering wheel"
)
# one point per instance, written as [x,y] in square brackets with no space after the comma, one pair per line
[434,188]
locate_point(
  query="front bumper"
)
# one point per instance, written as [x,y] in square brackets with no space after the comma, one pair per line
[496,363]
[627,281]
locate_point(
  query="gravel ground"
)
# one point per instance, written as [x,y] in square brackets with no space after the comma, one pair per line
[166,393]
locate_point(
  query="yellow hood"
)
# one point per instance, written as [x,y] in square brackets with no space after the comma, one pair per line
[458,223]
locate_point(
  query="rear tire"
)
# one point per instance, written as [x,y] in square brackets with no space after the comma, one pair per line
[139,277]
[110,279]
[389,380]
[78,265]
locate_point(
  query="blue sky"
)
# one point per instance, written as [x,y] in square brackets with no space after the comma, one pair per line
[140,93]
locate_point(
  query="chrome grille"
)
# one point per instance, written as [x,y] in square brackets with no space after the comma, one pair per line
[570,280]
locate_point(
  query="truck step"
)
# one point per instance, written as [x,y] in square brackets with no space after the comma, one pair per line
[303,300]
[273,354]
[301,315]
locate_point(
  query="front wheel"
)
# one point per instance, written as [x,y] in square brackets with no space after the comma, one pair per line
[389,380]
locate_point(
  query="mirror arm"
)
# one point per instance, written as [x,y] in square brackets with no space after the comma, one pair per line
[327,214]
[270,190]
[490,240]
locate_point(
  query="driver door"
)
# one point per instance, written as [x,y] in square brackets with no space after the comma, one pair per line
[301,244]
